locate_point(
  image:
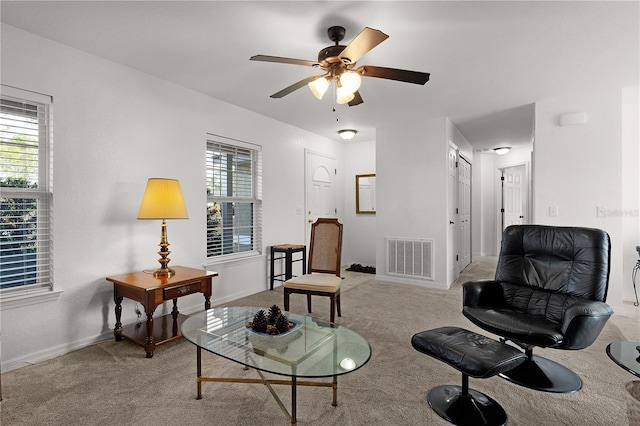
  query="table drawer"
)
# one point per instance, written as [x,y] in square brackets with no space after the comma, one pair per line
[181,290]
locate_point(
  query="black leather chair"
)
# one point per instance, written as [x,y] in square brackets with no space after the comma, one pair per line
[549,291]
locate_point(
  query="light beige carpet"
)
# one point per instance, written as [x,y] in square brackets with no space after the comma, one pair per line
[114,384]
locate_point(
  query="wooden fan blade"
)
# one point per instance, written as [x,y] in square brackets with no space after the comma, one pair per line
[296,86]
[281,60]
[394,74]
[357,100]
[364,42]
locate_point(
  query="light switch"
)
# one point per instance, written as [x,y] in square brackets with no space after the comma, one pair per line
[553,211]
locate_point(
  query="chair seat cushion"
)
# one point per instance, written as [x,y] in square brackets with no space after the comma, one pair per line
[327,283]
[516,325]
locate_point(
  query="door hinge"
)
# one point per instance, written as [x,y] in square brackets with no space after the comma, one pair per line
[501,210]
[457,258]
[456,210]
[502,178]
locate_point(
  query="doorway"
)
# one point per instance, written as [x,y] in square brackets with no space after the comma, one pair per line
[464,212]
[513,202]
[320,188]
[459,212]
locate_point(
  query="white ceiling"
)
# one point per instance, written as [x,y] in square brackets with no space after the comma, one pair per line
[489,61]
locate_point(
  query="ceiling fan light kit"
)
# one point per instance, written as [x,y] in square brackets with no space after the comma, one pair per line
[338,62]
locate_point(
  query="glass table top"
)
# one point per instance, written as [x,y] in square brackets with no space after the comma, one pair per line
[626,355]
[311,349]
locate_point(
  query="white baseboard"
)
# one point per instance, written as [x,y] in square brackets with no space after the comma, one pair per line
[416,282]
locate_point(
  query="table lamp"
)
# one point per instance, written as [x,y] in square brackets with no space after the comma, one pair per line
[163,200]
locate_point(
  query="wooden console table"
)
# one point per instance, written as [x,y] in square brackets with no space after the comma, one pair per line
[144,288]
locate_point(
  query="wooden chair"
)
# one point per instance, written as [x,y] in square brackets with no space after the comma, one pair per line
[323,273]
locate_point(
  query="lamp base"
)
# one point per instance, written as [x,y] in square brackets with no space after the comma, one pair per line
[164,272]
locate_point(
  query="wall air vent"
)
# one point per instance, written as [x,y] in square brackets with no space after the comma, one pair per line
[410,257]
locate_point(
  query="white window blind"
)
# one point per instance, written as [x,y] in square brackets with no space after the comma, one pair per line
[25,191]
[233,198]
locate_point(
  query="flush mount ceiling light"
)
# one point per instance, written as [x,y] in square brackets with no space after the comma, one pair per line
[347,134]
[338,63]
[502,150]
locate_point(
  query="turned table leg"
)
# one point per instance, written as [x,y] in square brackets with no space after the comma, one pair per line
[150,344]
[117,331]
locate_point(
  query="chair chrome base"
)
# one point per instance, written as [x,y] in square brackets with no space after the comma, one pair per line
[471,409]
[542,374]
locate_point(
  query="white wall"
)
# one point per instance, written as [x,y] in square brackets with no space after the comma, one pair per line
[579,168]
[359,240]
[630,211]
[411,168]
[113,129]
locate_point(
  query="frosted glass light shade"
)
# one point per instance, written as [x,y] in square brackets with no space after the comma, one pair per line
[347,134]
[343,96]
[350,81]
[502,150]
[319,86]
[162,199]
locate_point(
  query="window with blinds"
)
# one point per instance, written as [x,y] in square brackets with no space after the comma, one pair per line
[25,191]
[233,198]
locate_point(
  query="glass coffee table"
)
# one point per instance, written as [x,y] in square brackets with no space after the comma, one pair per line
[626,355]
[312,349]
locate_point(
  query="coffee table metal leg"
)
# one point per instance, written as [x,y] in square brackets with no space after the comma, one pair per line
[334,402]
[294,421]
[199,371]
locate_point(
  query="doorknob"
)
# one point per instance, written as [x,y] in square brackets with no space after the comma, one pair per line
[451,223]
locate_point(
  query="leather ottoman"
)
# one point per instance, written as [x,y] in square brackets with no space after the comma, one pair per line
[473,355]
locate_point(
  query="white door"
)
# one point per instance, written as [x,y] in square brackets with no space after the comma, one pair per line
[513,196]
[452,230]
[320,188]
[464,213]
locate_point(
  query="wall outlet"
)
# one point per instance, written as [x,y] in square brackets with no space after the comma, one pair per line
[553,211]
[601,211]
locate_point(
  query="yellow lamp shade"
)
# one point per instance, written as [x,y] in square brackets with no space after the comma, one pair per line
[162,199]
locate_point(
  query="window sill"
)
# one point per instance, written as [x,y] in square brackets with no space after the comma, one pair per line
[232,259]
[22,298]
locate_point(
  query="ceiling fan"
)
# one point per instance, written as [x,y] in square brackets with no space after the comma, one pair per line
[339,63]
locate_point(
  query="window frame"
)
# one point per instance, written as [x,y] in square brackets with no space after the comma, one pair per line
[255,199]
[43,289]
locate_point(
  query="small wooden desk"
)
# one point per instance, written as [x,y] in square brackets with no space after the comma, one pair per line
[144,288]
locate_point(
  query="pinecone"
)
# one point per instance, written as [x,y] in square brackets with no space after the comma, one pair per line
[271,329]
[260,322]
[274,312]
[282,323]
